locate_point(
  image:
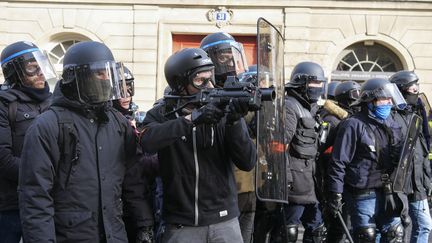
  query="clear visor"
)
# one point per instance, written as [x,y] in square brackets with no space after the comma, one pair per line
[36,63]
[229,60]
[202,78]
[390,90]
[354,94]
[413,88]
[314,83]
[100,82]
[126,87]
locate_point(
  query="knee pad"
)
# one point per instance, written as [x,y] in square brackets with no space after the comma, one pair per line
[318,235]
[284,234]
[366,234]
[291,233]
[395,234]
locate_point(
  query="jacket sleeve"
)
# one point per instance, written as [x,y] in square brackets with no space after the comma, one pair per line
[159,133]
[344,149]
[137,197]
[36,180]
[9,164]
[240,145]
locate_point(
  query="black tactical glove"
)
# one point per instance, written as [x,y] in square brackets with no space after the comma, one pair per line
[145,235]
[237,109]
[208,114]
[390,203]
[334,204]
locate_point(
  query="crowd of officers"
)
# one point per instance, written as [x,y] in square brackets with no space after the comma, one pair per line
[75,166]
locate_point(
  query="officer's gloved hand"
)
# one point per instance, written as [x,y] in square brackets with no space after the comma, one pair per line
[334,203]
[237,109]
[208,114]
[145,235]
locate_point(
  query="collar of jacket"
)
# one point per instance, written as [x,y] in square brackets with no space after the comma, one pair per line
[20,95]
[292,92]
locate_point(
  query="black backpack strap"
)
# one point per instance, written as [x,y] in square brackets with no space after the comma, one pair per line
[68,140]
[10,100]
[12,112]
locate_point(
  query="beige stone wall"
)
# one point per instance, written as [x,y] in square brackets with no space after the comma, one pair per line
[140,32]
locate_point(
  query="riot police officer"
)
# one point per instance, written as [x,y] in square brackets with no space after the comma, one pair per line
[346,94]
[364,152]
[332,113]
[76,155]
[197,147]
[302,131]
[331,88]
[227,55]
[26,70]
[126,105]
[419,174]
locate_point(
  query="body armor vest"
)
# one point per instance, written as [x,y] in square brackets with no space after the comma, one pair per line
[304,144]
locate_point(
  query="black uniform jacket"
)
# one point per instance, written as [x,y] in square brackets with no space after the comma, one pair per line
[78,200]
[196,166]
[11,140]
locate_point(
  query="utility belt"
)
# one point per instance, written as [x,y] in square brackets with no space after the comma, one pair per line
[361,192]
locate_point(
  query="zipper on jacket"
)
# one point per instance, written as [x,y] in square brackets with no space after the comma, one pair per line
[212,135]
[196,174]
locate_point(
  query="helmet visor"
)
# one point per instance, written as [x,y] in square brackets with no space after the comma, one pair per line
[354,94]
[413,88]
[100,82]
[33,64]
[230,59]
[129,81]
[126,82]
[390,90]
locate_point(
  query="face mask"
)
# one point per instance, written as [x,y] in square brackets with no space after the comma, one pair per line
[96,91]
[411,99]
[381,111]
[313,94]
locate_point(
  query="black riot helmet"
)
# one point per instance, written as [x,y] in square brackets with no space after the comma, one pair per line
[376,88]
[403,79]
[129,79]
[331,89]
[252,76]
[91,75]
[407,82]
[227,55]
[305,77]
[183,66]
[347,92]
[23,59]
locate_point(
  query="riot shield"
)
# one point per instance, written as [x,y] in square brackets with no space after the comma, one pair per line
[425,103]
[428,110]
[402,171]
[271,184]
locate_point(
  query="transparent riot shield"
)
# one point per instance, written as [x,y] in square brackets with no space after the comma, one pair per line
[271,184]
[402,172]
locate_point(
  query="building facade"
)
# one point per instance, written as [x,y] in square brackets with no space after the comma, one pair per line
[350,39]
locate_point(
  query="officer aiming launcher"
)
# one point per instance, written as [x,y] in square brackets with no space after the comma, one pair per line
[233,89]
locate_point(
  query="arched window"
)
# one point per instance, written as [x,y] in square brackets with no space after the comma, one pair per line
[57,48]
[365,60]
[56,54]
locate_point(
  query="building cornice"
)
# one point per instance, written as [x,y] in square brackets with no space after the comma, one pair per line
[353,4]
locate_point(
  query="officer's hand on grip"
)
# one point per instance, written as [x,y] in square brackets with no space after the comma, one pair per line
[208,114]
[145,235]
[334,203]
[237,109]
